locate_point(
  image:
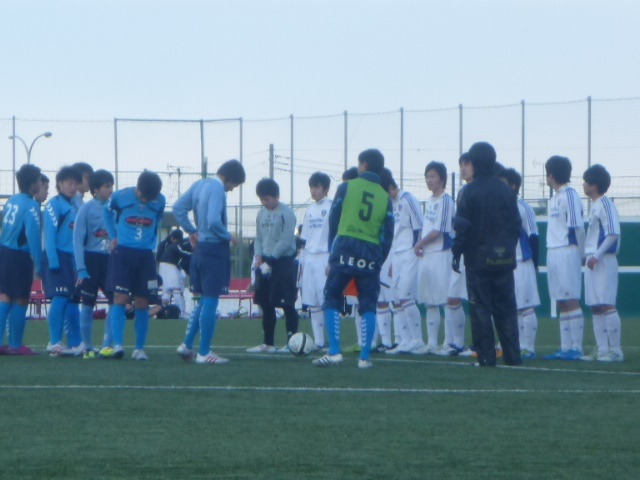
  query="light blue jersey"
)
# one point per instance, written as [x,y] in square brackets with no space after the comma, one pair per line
[59,220]
[89,232]
[208,200]
[133,223]
[21,226]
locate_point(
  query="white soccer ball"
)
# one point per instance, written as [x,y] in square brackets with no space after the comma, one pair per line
[301,344]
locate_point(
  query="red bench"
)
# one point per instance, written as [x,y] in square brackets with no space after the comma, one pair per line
[239,289]
[37,300]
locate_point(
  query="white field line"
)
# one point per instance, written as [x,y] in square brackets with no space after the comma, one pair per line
[235,388]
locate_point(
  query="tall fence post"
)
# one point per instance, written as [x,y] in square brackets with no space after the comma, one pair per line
[115,145]
[460,130]
[522,152]
[588,131]
[346,140]
[13,153]
[239,214]
[203,160]
[401,148]
[271,155]
[291,161]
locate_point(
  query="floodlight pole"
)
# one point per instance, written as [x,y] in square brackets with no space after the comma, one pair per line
[30,147]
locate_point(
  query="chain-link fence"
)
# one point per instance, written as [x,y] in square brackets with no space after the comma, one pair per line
[290,148]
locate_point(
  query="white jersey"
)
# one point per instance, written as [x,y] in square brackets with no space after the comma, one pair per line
[438,215]
[603,221]
[529,227]
[565,214]
[407,222]
[315,228]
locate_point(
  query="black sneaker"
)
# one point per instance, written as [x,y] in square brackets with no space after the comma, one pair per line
[381,348]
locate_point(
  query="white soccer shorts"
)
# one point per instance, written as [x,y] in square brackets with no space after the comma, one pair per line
[564,272]
[434,276]
[601,283]
[314,276]
[526,284]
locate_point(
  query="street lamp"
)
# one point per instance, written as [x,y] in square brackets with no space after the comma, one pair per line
[29,148]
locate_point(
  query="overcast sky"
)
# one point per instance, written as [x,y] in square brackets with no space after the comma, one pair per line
[193,59]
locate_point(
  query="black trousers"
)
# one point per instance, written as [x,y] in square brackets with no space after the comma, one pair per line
[492,297]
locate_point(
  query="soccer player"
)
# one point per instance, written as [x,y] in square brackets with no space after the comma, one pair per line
[210,264]
[404,265]
[487,226]
[91,252]
[601,276]
[434,250]
[314,257]
[169,255]
[454,316]
[360,236]
[20,249]
[276,272]
[58,263]
[132,218]
[43,193]
[72,313]
[526,284]
[565,252]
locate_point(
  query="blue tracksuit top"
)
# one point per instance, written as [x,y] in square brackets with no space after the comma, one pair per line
[59,220]
[208,200]
[89,232]
[21,226]
[134,223]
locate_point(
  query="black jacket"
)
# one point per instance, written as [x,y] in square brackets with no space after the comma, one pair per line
[487,225]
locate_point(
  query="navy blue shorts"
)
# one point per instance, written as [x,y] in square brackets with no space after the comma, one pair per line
[97,267]
[16,273]
[368,290]
[210,269]
[60,282]
[133,272]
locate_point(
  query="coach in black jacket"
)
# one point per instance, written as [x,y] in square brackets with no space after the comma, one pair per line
[487,226]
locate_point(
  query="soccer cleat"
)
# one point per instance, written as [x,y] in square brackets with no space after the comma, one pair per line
[22,350]
[138,355]
[611,356]
[262,349]
[77,351]
[185,353]
[420,350]
[89,355]
[328,360]
[382,348]
[448,351]
[591,356]
[284,349]
[399,349]
[467,352]
[528,354]
[320,349]
[356,348]
[118,352]
[555,356]
[105,353]
[365,364]
[210,359]
[572,354]
[56,349]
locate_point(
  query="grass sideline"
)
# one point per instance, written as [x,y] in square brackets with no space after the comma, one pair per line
[277,417]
